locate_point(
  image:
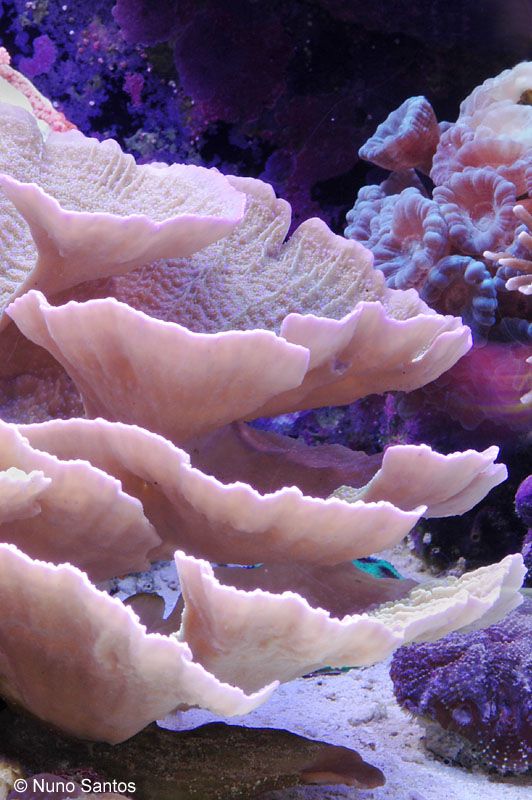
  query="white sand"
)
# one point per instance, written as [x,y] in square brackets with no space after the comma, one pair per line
[358,709]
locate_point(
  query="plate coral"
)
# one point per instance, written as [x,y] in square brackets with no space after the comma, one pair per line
[151,312]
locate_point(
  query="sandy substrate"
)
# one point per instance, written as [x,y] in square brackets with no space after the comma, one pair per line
[358,709]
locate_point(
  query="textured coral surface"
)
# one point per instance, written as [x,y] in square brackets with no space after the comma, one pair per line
[477,685]
[165,78]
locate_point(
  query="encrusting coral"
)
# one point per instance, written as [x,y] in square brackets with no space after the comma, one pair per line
[135,306]
[475,685]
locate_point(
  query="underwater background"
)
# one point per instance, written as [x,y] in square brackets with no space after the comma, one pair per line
[282,91]
[289,92]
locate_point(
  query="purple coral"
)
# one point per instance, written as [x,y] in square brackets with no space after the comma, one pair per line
[526,552]
[144,22]
[461,285]
[364,219]
[476,685]
[406,233]
[482,171]
[523,509]
[44,55]
[523,501]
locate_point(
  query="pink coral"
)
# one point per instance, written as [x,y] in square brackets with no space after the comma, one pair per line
[511,88]
[91,211]
[459,149]
[493,129]
[41,106]
[172,311]
[407,138]
[141,476]
[231,617]
[119,678]
[478,207]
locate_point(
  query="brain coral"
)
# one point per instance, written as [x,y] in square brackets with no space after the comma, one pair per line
[476,685]
[167,305]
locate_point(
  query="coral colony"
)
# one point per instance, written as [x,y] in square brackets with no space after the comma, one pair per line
[476,685]
[467,247]
[149,313]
